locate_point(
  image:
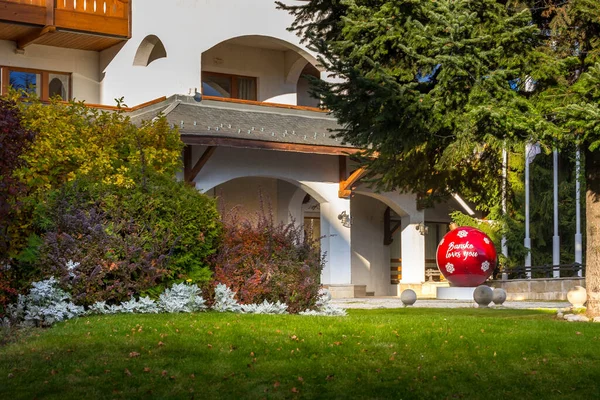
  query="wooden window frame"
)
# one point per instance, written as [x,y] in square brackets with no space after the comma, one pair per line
[44,80]
[233,83]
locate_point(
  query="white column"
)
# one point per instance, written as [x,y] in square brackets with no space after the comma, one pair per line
[527,241]
[338,268]
[504,205]
[413,250]
[556,237]
[578,236]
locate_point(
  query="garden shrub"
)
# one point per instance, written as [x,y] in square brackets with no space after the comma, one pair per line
[181,298]
[262,260]
[45,304]
[225,300]
[74,141]
[14,141]
[126,241]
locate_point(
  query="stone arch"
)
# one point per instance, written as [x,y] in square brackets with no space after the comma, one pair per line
[149,50]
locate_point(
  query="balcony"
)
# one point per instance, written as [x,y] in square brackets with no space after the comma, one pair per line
[76,24]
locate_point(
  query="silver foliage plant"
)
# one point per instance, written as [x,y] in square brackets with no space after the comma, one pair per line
[265,308]
[44,305]
[324,308]
[181,298]
[224,300]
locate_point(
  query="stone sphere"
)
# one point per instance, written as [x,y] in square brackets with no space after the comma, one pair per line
[483,295]
[577,296]
[408,297]
[466,257]
[499,296]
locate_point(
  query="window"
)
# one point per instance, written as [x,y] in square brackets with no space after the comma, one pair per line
[44,84]
[229,86]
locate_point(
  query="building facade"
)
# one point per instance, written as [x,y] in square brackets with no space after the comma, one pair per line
[231,77]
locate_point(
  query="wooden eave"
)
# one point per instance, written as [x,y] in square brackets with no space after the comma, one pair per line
[192,139]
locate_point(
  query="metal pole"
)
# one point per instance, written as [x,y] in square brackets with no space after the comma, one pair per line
[504,208]
[578,237]
[555,238]
[527,241]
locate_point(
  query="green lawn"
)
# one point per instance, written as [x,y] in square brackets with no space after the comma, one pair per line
[404,353]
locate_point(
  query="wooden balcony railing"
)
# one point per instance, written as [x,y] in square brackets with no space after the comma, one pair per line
[108,20]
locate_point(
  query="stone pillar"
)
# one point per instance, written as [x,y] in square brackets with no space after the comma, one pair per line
[413,250]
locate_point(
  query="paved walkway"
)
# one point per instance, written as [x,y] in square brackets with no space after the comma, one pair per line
[394,302]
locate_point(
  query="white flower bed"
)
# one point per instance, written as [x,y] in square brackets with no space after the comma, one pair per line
[47,304]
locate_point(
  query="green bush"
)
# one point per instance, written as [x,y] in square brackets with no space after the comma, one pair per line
[126,240]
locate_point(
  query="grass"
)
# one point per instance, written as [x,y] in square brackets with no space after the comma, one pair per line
[404,353]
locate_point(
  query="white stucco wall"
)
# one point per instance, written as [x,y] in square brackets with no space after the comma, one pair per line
[187,28]
[243,196]
[83,65]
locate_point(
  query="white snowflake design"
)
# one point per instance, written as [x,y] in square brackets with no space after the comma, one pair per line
[450,268]
[485,266]
[486,240]
[462,234]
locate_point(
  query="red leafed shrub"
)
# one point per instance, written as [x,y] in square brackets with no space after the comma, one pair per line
[14,141]
[261,260]
[7,293]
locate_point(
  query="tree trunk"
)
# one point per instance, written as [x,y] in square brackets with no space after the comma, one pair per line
[592,254]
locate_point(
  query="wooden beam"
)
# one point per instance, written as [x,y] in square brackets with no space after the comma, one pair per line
[201,162]
[264,104]
[34,36]
[187,162]
[342,169]
[388,230]
[265,145]
[347,184]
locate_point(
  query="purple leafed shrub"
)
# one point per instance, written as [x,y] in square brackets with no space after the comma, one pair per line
[261,260]
[96,263]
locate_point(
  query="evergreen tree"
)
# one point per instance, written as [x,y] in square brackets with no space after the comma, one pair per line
[567,93]
[433,90]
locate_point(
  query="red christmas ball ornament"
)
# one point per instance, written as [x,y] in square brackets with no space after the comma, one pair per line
[466,257]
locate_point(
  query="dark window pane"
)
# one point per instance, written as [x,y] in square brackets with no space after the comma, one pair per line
[219,86]
[27,81]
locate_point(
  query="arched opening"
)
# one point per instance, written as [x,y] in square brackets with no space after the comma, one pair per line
[303,97]
[258,68]
[58,86]
[149,50]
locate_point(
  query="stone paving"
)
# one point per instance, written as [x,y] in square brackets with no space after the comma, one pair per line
[394,302]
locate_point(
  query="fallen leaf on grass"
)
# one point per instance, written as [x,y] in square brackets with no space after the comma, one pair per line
[10,375]
[134,354]
[127,372]
[300,379]
[329,377]
[294,390]
[161,344]
[146,369]
[164,373]
[276,384]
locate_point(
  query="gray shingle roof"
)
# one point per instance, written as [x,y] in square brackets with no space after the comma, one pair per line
[244,121]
